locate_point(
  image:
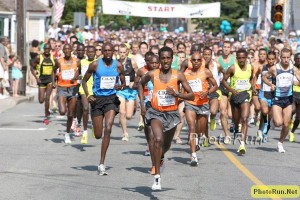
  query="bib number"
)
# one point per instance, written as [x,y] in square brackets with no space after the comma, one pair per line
[127,80]
[165,99]
[107,82]
[67,74]
[47,70]
[196,85]
[242,84]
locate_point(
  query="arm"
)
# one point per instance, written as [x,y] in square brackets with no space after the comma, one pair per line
[189,95]
[229,73]
[33,68]
[137,79]
[184,65]
[134,66]
[212,80]
[56,66]
[297,73]
[92,68]
[145,79]
[271,72]
[122,77]
[253,78]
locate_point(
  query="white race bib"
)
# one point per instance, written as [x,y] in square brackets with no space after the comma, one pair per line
[284,81]
[127,80]
[107,82]
[196,85]
[242,84]
[67,74]
[84,68]
[165,99]
[266,88]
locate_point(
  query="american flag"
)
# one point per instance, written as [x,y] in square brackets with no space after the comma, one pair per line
[58,8]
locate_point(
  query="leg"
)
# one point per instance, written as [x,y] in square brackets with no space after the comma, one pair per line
[245,110]
[41,94]
[214,107]
[179,126]
[85,108]
[277,115]
[286,115]
[223,109]
[71,111]
[191,118]
[109,120]
[157,129]
[47,99]
[122,116]
[62,100]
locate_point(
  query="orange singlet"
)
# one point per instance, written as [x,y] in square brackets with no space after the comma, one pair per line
[198,83]
[66,72]
[162,101]
[145,70]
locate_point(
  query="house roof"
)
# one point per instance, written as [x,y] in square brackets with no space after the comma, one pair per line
[31,6]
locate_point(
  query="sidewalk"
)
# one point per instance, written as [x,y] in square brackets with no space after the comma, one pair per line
[10,102]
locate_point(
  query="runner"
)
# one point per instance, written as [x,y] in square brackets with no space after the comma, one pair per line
[67,87]
[197,110]
[104,101]
[83,67]
[225,60]
[296,98]
[241,74]
[265,97]
[282,103]
[163,115]
[42,69]
[128,95]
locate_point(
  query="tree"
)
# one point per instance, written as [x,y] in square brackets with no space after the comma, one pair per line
[231,10]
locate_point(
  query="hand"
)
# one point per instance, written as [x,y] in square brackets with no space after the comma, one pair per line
[72,80]
[273,87]
[119,87]
[53,85]
[143,110]
[38,80]
[235,92]
[91,99]
[202,95]
[254,91]
[171,91]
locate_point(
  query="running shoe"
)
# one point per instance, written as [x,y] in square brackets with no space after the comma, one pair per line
[101,170]
[194,162]
[265,128]
[231,129]
[227,140]
[242,149]
[280,148]
[125,137]
[140,126]
[206,142]
[73,127]
[67,138]
[84,138]
[265,138]
[292,137]
[93,133]
[178,140]
[54,109]
[78,131]
[156,185]
[213,124]
[197,144]
[259,135]
[291,124]
[251,121]
[240,128]
[46,121]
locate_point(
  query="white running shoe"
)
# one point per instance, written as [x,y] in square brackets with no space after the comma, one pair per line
[67,138]
[156,185]
[194,162]
[101,170]
[280,148]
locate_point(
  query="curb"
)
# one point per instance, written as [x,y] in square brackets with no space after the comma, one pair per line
[11,102]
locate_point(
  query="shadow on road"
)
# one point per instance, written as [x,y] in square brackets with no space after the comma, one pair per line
[144,170]
[81,147]
[91,168]
[267,149]
[146,191]
[180,160]
[55,140]
[135,152]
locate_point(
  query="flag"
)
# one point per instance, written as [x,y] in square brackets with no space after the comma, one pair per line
[58,9]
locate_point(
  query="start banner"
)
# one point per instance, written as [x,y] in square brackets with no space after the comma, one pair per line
[207,10]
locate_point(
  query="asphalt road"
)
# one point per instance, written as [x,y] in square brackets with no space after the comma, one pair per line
[37,164]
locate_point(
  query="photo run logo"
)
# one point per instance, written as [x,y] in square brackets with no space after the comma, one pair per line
[200,139]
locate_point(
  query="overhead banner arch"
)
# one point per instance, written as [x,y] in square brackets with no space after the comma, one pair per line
[207,10]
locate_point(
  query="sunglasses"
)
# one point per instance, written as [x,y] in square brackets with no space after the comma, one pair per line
[98,49]
[196,60]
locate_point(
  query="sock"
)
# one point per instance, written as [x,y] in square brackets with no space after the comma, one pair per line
[194,155]
[243,143]
[85,132]
[279,144]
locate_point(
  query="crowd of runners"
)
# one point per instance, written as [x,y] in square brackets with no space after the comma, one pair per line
[169,80]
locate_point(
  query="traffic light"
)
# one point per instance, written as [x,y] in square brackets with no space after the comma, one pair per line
[278,16]
[90,8]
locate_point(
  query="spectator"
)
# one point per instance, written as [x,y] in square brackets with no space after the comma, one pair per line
[16,73]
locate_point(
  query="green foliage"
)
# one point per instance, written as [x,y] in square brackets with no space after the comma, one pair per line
[231,10]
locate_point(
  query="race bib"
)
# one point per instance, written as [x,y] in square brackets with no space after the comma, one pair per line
[107,82]
[196,85]
[165,99]
[84,68]
[47,70]
[242,84]
[67,74]
[127,80]
[284,81]
[266,88]
[258,81]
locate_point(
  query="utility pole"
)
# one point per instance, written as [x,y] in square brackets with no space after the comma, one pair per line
[20,12]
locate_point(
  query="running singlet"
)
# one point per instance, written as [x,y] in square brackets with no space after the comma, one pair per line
[67,72]
[265,90]
[215,73]
[45,68]
[198,83]
[84,63]
[161,101]
[129,72]
[145,70]
[240,80]
[296,88]
[225,66]
[284,81]
[105,78]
